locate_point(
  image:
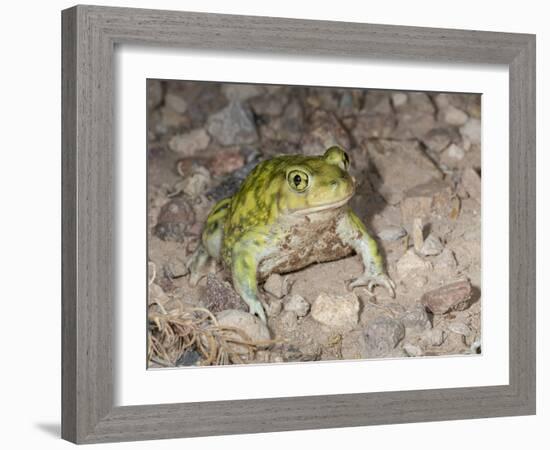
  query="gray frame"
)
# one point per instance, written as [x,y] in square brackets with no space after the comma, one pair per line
[90,34]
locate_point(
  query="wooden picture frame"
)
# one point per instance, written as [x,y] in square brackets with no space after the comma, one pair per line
[90,34]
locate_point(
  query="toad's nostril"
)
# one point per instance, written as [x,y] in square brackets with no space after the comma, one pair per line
[334,183]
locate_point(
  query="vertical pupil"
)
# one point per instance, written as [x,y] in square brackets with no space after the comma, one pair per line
[297,179]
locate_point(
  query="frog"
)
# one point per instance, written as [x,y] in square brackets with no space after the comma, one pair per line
[291,211]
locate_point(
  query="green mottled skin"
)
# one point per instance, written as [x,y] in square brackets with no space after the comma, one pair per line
[274,225]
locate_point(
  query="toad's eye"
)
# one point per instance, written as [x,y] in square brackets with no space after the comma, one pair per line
[298,180]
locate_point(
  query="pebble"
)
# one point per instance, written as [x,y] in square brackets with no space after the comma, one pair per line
[392,233]
[196,184]
[324,132]
[175,102]
[432,246]
[241,92]
[454,116]
[472,183]
[410,264]
[298,305]
[233,125]
[336,311]
[425,200]
[273,307]
[416,318]
[452,297]
[251,325]
[417,233]
[189,144]
[472,130]
[220,295]
[353,345]
[276,285]
[382,335]
[174,220]
[225,161]
[455,152]
[188,358]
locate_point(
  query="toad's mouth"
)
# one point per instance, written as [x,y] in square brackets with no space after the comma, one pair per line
[319,208]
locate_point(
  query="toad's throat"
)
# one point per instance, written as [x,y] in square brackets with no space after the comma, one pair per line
[319,208]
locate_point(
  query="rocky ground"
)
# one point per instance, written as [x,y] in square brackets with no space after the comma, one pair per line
[417,159]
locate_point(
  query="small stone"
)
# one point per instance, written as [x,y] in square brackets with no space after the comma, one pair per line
[287,322]
[454,152]
[373,126]
[176,268]
[472,183]
[276,285]
[411,264]
[382,336]
[233,125]
[196,184]
[416,318]
[472,130]
[340,311]
[418,234]
[452,297]
[189,144]
[298,305]
[174,220]
[401,165]
[413,350]
[220,295]
[252,326]
[399,99]
[432,246]
[175,102]
[454,116]
[458,327]
[392,233]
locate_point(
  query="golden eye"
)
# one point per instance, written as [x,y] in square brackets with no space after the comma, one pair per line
[298,180]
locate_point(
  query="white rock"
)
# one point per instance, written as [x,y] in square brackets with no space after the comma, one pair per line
[392,233]
[298,305]
[251,325]
[455,152]
[432,246]
[189,144]
[472,183]
[175,102]
[336,311]
[455,116]
[410,264]
[472,130]
[435,337]
[382,336]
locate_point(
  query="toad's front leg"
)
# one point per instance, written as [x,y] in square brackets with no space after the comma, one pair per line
[353,232]
[245,257]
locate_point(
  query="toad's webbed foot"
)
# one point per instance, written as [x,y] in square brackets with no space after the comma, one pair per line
[370,281]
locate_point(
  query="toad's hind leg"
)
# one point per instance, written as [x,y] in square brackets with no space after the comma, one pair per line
[209,249]
[354,233]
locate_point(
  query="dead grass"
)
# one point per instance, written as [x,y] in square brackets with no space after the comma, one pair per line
[172,333]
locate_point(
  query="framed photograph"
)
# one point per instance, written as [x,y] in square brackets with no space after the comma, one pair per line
[265,229]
